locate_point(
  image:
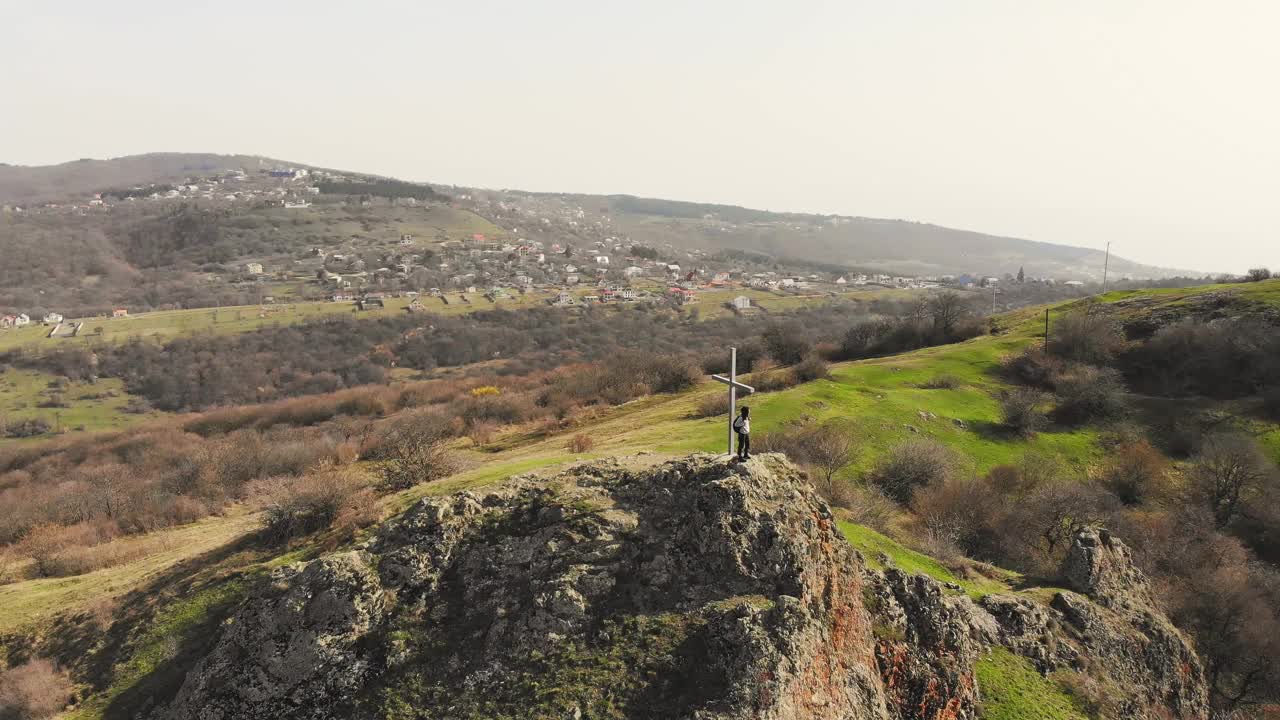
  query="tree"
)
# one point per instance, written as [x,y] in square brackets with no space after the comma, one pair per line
[416,452]
[911,465]
[946,310]
[829,449]
[1229,470]
[1258,274]
[1022,276]
[785,344]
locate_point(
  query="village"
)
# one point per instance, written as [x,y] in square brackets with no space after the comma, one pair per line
[521,249]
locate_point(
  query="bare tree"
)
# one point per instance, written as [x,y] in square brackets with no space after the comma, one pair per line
[1228,471]
[946,310]
[829,449]
[416,452]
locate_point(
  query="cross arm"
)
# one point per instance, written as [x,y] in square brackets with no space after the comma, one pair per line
[733,383]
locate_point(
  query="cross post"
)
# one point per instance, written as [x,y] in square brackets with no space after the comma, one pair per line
[734,387]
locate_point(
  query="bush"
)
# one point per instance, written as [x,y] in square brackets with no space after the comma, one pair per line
[1229,471]
[581,443]
[712,405]
[1089,394]
[415,451]
[1085,337]
[1034,367]
[941,382]
[337,499]
[913,465]
[811,368]
[785,344]
[33,691]
[868,506]
[1020,411]
[1137,473]
[961,513]
[772,380]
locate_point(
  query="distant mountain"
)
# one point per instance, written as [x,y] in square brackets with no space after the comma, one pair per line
[875,244]
[897,246]
[22,185]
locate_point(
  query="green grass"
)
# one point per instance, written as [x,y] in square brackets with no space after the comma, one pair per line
[1011,689]
[148,658]
[96,406]
[871,544]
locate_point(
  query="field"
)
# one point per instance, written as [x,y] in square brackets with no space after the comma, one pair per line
[883,398]
[83,406]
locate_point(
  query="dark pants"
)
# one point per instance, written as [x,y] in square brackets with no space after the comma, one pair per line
[744,445]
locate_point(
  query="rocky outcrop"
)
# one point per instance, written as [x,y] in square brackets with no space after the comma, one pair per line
[694,589]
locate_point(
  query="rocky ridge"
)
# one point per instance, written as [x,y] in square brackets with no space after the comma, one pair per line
[693,589]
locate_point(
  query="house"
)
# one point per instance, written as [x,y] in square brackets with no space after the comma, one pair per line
[253,268]
[341,297]
[52,318]
[406,239]
[369,303]
[742,302]
[627,294]
[602,259]
[571,279]
[682,296]
[523,280]
[7,321]
[673,269]
[564,298]
[632,271]
[416,306]
[841,281]
[119,313]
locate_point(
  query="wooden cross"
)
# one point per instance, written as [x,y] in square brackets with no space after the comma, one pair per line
[734,387]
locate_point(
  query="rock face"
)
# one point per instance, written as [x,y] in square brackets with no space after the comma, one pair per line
[694,589]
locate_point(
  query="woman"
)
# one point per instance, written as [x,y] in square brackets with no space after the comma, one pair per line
[742,426]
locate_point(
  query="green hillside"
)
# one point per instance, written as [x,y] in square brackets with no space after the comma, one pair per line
[197,570]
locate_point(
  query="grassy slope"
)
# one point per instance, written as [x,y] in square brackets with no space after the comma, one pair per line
[97,406]
[879,394]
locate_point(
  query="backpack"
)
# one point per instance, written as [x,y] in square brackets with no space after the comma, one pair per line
[737,423]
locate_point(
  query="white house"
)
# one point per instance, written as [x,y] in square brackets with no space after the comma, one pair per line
[632,271]
[253,268]
[52,318]
[841,281]
[602,259]
[571,279]
[742,302]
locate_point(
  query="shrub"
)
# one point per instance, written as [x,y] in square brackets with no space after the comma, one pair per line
[716,403]
[811,368]
[415,451]
[1257,274]
[1034,367]
[33,691]
[913,465]
[772,380]
[484,390]
[581,443]
[785,344]
[1020,411]
[1137,473]
[1229,471]
[1085,337]
[941,382]
[1089,394]
[868,506]
[961,513]
[336,499]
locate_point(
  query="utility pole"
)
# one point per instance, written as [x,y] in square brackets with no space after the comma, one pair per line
[1106,263]
[1046,329]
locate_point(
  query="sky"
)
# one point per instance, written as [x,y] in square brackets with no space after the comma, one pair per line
[1151,125]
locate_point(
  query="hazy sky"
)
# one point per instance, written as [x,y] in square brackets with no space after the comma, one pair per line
[1155,125]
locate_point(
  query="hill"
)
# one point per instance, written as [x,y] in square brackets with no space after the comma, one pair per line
[150,619]
[23,185]
[896,246]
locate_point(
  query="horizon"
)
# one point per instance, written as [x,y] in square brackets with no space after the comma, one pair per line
[1069,126]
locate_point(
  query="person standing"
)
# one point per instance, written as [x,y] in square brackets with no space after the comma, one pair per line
[742,426]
